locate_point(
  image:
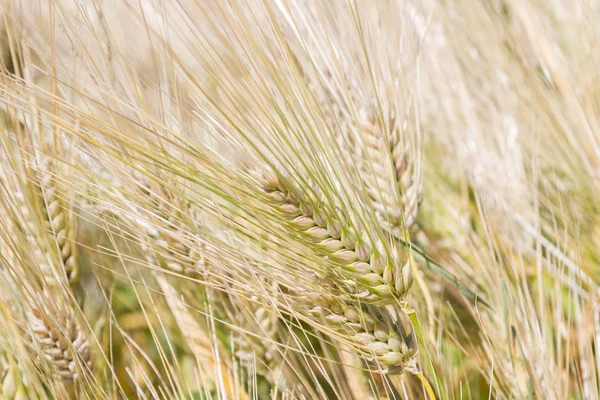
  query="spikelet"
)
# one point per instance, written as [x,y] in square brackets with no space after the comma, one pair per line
[369,328]
[62,342]
[385,277]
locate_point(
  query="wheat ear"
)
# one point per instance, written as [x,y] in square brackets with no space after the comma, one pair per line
[369,328]
[391,177]
[62,342]
[58,220]
[389,172]
[385,278]
[262,348]
[170,252]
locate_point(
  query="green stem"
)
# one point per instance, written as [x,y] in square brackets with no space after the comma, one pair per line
[412,315]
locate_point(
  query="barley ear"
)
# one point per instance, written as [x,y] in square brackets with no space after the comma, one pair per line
[63,343]
[58,219]
[260,353]
[384,274]
[390,171]
[368,328]
[168,246]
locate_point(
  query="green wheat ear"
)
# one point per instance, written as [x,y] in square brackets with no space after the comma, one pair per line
[368,265]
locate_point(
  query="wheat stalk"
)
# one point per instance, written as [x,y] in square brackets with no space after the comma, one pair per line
[385,278]
[199,342]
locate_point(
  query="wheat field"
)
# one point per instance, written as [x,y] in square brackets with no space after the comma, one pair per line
[299,199]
